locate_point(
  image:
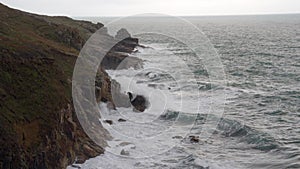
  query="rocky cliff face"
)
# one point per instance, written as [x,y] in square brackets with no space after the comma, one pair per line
[38,126]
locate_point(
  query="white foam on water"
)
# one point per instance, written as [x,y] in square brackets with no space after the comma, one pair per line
[148,141]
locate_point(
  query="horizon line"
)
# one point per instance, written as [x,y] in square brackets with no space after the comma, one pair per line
[204,15]
[155,14]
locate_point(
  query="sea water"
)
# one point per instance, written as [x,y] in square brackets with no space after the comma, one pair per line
[260,124]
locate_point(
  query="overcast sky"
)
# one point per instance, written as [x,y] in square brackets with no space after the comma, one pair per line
[170,7]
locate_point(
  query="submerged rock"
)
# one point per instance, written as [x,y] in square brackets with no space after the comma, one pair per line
[121,120]
[124,152]
[177,137]
[124,144]
[169,115]
[194,139]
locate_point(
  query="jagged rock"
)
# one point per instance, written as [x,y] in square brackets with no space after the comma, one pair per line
[121,120]
[124,152]
[139,102]
[194,139]
[119,53]
[79,160]
[122,34]
[110,122]
[120,99]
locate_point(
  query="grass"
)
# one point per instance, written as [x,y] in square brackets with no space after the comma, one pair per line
[37,56]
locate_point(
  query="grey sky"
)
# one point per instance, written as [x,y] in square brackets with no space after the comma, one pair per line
[171,7]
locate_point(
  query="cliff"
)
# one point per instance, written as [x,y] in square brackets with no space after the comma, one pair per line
[38,125]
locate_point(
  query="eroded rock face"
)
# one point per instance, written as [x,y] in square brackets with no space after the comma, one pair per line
[103,85]
[119,53]
[108,90]
[38,124]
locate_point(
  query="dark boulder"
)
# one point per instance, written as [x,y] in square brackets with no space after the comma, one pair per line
[121,120]
[110,122]
[139,102]
[124,152]
[194,139]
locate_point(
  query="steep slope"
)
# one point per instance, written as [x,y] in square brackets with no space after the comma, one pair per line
[38,126]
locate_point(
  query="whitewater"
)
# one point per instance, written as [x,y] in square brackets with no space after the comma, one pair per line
[259,127]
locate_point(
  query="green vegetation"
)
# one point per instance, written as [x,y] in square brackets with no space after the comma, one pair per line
[37,55]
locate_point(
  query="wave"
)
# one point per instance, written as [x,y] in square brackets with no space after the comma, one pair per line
[231,128]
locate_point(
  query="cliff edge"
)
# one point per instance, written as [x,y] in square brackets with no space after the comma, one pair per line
[38,125]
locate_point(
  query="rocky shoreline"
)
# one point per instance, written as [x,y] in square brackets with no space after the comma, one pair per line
[38,124]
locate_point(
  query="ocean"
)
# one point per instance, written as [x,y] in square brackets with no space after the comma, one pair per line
[223,92]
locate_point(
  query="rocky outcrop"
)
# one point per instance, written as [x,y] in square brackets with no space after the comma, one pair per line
[115,57]
[122,34]
[138,102]
[108,90]
[38,125]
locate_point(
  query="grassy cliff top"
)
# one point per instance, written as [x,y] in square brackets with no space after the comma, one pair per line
[37,58]
[37,55]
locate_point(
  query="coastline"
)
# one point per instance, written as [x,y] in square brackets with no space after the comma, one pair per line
[39,128]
